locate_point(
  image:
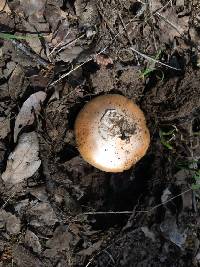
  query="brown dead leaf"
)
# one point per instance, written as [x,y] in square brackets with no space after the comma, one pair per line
[26,115]
[23,162]
[89,251]
[10,221]
[33,7]
[17,82]
[155,5]
[87,12]
[4,127]
[4,7]
[60,242]
[171,25]
[59,24]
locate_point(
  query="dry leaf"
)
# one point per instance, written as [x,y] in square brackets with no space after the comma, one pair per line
[90,250]
[23,162]
[171,25]
[17,82]
[26,115]
[4,127]
[155,5]
[33,7]
[4,7]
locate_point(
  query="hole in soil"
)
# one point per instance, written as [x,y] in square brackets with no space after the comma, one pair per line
[176,204]
[104,222]
[31,71]
[115,91]
[123,194]
[73,111]
[67,2]
[135,8]
[9,208]
[90,68]
[2,81]
[67,153]
[1,202]
[60,68]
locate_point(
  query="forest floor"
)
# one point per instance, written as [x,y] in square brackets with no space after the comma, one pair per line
[56,209]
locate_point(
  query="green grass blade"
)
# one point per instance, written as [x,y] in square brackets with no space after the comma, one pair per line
[9,36]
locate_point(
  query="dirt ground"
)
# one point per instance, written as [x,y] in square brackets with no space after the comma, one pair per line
[56,209]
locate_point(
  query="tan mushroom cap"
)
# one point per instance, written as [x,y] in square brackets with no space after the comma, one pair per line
[111,133]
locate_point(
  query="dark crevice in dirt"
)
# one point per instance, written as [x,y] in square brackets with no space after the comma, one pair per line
[73,112]
[68,152]
[196,125]
[104,222]
[90,68]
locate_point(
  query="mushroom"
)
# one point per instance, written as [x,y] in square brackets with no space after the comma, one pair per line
[111,133]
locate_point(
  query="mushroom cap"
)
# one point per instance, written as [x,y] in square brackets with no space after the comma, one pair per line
[111,133]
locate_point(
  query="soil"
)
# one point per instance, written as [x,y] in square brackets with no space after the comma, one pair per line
[66,212]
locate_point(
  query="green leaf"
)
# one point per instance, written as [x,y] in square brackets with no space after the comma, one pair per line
[166,144]
[163,140]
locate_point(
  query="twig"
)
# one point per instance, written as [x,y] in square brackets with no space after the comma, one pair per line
[58,44]
[62,46]
[106,21]
[125,29]
[70,43]
[138,211]
[153,59]
[9,198]
[110,256]
[169,22]
[127,212]
[106,213]
[68,73]
[104,49]
[161,9]
[103,250]
[75,68]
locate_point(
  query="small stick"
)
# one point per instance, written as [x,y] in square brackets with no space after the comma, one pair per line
[125,29]
[114,38]
[137,211]
[153,59]
[70,43]
[75,68]
[169,22]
